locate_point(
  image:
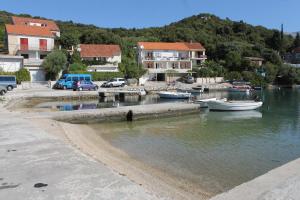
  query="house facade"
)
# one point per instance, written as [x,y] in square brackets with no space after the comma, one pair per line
[101,57]
[255,60]
[159,57]
[32,39]
[11,63]
[293,57]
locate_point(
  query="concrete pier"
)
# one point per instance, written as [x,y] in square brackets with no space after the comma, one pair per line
[126,113]
[36,165]
[282,183]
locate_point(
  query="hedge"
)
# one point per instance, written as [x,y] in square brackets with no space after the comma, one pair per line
[100,76]
[21,75]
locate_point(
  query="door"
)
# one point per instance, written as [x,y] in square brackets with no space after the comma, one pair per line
[37,75]
[43,44]
[23,44]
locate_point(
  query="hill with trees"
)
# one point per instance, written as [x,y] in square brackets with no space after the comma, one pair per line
[227,42]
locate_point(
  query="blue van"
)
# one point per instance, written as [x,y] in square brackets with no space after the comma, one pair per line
[8,81]
[67,80]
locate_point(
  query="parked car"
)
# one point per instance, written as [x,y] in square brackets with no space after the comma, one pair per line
[67,80]
[115,82]
[8,81]
[84,85]
[3,90]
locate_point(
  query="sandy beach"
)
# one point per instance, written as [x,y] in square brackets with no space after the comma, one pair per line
[85,139]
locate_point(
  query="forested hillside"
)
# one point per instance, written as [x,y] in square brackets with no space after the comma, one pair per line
[227,43]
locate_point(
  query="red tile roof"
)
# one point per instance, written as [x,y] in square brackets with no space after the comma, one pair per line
[25,21]
[296,50]
[99,50]
[28,30]
[178,46]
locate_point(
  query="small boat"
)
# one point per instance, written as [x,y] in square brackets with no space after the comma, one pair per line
[204,102]
[224,105]
[142,92]
[198,89]
[257,88]
[240,88]
[174,95]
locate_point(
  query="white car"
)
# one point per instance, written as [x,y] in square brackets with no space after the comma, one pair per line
[115,82]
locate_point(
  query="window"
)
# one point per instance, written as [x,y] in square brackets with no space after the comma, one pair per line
[7,78]
[87,78]
[81,78]
[23,44]
[68,79]
[43,44]
[43,57]
[25,56]
[75,78]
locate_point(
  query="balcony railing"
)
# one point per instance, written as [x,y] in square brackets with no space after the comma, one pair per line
[33,62]
[167,58]
[33,48]
[200,57]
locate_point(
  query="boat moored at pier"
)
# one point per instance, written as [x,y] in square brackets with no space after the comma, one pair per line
[174,95]
[224,105]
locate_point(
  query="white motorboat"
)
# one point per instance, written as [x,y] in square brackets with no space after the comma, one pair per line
[224,105]
[204,102]
[174,95]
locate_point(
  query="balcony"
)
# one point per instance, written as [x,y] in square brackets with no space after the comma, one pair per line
[26,48]
[33,62]
[200,57]
[162,67]
[166,58]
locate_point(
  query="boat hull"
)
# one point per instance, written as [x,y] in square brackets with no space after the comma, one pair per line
[233,106]
[174,95]
[204,102]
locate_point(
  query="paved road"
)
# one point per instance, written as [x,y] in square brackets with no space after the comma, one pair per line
[29,156]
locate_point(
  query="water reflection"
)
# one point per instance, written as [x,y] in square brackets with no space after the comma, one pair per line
[111,102]
[216,150]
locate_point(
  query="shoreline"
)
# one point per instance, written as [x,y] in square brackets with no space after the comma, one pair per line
[122,164]
[84,139]
[92,144]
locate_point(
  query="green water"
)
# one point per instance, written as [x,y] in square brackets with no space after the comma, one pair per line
[216,150]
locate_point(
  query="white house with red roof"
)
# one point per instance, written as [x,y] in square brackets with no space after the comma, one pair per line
[101,57]
[32,39]
[159,57]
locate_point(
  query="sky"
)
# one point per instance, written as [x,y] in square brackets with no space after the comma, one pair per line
[149,13]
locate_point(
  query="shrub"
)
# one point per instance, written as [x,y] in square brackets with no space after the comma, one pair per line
[23,75]
[100,76]
[247,76]
[77,67]
[234,75]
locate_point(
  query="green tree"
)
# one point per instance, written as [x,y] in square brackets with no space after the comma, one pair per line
[233,75]
[233,60]
[275,42]
[271,72]
[54,63]
[75,57]
[297,41]
[68,39]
